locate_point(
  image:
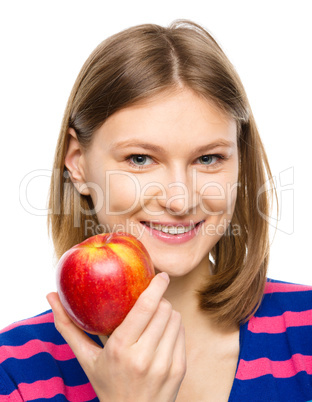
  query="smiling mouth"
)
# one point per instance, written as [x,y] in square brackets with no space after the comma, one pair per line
[172,229]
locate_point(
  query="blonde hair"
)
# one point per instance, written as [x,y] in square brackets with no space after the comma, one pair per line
[131,67]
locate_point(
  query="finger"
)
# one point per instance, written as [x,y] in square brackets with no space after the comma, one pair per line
[179,353]
[79,342]
[134,324]
[152,334]
[168,341]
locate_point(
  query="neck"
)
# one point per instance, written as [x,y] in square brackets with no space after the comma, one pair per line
[182,294]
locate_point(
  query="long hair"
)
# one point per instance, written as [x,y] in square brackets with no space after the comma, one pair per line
[131,67]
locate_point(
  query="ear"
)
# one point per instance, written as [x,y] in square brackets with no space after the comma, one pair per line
[73,162]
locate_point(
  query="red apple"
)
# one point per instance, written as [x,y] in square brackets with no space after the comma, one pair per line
[100,279]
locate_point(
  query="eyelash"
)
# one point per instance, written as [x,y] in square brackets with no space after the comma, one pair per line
[221,159]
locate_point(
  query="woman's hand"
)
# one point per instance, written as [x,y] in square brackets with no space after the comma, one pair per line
[143,360]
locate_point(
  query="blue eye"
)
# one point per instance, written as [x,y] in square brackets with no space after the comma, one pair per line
[142,161]
[208,159]
[139,160]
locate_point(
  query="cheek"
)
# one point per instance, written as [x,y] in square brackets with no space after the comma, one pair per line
[122,192]
[218,197]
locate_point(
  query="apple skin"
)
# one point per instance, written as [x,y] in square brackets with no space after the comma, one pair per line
[100,279]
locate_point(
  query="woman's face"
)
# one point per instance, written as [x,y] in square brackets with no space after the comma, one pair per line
[168,165]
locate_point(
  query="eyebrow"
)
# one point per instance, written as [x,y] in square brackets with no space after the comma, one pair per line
[156,148]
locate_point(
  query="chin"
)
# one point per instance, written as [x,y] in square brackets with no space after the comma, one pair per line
[178,269]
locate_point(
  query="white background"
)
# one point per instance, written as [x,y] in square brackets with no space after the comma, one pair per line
[43,46]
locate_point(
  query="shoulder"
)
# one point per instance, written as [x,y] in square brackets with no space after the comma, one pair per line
[283,305]
[30,327]
[26,338]
[27,348]
[276,347]
[276,286]
[284,297]
[36,362]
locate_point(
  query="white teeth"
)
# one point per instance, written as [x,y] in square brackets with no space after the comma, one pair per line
[170,229]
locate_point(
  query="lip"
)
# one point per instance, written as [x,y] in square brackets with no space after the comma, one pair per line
[174,239]
[180,224]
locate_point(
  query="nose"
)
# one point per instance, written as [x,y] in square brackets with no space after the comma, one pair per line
[179,195]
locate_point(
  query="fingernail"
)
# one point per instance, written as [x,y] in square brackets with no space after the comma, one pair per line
[165,276]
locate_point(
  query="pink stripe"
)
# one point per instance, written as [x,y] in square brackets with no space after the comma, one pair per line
[248,370]
[15,396]
[278,324]
[50,388]
[42,319]
[31,348]
[272,287]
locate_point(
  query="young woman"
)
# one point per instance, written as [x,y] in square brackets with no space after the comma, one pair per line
[158,140]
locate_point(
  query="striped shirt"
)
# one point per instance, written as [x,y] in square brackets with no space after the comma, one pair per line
[275,360]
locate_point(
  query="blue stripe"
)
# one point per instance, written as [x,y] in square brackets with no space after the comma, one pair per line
[56,398]
[45,332]
[43,367]
[278,346]
[270,280]
[277,303]
[20,335]
[60,398]
[268,388]
[6,385]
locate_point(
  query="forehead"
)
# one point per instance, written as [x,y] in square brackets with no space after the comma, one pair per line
[169,119]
